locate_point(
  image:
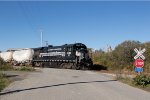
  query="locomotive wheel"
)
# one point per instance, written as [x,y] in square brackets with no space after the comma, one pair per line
[42,65]
[85,68]
[68,66]
[63,65]
[73,66]
[77,67]
[54,65]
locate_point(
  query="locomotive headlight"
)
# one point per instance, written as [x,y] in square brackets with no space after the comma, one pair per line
[78,53]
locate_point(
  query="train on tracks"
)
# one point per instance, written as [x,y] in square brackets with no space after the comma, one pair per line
[71,56]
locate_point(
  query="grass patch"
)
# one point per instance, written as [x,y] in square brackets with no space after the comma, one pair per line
[6,68]
[126,80]
[4,81]
[24,68]
[18,68]
[140,81]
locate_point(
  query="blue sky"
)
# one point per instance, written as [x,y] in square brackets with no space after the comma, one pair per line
[96,24]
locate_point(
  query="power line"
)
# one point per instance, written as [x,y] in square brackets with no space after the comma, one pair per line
[27,14]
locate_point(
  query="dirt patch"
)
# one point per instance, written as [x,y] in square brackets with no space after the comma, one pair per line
[147,89]
[15,75]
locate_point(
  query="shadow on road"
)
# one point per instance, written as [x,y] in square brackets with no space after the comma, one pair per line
[98,67]
[20,90]
[9,76]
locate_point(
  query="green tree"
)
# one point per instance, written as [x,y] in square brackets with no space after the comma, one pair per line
[147,56]
[124,54]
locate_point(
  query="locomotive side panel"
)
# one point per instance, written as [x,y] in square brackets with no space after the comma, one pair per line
[54,53]
[65,56]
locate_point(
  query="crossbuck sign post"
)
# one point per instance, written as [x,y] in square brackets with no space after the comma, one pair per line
[139,53]
[139,59]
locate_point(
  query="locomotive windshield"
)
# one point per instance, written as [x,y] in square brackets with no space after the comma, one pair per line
[80,47]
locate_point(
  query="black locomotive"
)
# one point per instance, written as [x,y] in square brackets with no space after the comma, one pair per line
[73,56]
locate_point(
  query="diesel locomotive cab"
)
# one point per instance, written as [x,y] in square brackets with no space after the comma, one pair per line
[82,56]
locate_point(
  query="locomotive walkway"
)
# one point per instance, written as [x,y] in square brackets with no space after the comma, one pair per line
[65,84]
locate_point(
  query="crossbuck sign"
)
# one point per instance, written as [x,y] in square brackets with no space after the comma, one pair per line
[139,53]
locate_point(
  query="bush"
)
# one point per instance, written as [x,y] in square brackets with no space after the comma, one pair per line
[142,80]
[4,65]
[25,69]
[4,81]
[118,59]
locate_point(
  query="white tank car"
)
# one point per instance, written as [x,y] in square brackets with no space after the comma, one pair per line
[6,56]
[23,55]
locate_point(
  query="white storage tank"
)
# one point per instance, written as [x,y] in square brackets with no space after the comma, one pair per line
[6,56]
[23,55]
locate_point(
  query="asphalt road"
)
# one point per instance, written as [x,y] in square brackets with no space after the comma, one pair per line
[65,84]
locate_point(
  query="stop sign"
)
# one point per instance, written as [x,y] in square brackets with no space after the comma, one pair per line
[139,63]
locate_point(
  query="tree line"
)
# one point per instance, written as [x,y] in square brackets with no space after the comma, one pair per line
[122,57]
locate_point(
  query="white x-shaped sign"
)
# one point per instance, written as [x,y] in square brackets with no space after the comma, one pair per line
[139,53]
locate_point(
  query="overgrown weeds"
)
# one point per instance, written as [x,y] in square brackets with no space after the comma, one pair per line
[124,78]
[25,68]
[142,80]
[4,81]
[5,66]
[122,57]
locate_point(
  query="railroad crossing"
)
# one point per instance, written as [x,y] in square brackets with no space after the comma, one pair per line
[139,60]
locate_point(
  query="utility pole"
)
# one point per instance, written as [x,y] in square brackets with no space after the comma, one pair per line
[41,32]
[46,43]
